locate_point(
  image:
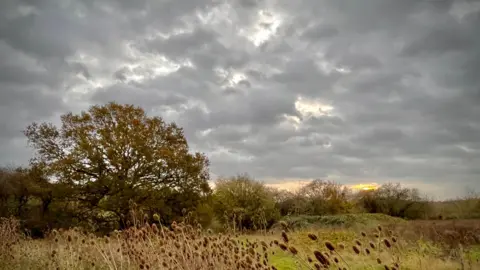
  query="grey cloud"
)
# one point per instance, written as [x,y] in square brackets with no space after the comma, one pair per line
[121,74]
[405,108]
[318,32]
[137,94]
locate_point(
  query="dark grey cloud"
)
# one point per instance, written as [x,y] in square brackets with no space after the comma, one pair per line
[368,91]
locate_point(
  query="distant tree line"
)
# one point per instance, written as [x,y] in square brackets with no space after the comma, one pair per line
[102,164]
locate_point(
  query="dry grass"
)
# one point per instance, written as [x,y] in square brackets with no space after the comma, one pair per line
[384,247]
[182,246]
[450,233]
[187,246]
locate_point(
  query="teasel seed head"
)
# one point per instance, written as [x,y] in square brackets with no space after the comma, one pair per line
[387,243]
[312,236]
[330,246]
[321,258]
[293,250]
[285,236]
[356,250]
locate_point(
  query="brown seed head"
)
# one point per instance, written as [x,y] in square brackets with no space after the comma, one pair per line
[356,250]
[329,245]
[387,243]
[285,237]
[321,258]
[312,236]
[293,250]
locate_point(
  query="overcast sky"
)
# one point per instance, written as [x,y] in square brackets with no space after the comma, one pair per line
[353,91]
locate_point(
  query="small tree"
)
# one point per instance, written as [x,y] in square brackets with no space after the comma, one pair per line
[113,155]
[395,200]
[326,197]
[290,203]
[244,203]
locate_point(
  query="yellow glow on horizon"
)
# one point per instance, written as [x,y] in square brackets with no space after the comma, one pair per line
[371,186]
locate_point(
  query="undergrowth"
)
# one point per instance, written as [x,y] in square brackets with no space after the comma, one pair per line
[185,245]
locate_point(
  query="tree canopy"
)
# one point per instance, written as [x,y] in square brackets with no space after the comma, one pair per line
[241,202]
[113,155]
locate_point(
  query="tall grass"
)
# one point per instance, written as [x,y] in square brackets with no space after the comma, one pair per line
[185,245]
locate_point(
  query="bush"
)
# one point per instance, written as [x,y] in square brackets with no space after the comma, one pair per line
[326,198]
[241,202]
[395,200]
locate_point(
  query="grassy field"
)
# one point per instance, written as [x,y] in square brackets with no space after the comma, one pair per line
[338,242]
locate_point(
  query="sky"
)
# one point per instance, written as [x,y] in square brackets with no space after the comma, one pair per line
[286,91]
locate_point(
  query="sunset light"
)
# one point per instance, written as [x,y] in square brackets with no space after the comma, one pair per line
[370,186]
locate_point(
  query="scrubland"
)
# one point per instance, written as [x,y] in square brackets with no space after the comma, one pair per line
[375,242]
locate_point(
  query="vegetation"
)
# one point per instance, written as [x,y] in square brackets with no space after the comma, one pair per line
[112,188]
[185,245]
[244,203]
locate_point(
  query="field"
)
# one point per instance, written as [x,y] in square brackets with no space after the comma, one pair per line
[337,242]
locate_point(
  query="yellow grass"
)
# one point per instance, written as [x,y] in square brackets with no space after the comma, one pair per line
[188,247]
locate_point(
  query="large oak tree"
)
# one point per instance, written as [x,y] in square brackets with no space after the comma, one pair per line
[113,155]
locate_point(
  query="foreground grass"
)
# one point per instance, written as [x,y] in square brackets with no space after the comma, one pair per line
[186,246]
[407,254]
